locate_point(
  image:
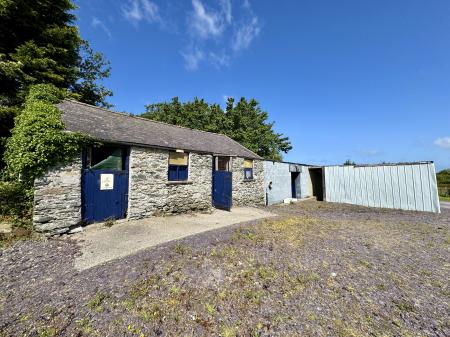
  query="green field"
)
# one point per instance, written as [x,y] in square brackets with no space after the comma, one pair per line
[441,198]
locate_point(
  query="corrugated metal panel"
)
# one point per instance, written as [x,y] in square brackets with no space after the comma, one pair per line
[405,186]
[280,176]
[279,173]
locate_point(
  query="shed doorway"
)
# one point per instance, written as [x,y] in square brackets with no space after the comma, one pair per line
[222,183]
[295,176]
[316,176]
[104,183]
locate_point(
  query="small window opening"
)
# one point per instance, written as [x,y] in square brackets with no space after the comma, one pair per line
[178,166]
[105,158]
[222,163]
[248,169]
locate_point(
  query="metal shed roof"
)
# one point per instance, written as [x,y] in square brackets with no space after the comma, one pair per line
[115,127]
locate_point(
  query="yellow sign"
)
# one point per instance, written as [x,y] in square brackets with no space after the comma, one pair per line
[176,158]
[248,163]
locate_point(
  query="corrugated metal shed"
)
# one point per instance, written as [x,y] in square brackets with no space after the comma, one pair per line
[407,186]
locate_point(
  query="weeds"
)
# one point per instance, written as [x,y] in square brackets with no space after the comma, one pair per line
[95,303]
[110,222]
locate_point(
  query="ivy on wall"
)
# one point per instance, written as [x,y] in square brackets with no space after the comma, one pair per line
[38,139]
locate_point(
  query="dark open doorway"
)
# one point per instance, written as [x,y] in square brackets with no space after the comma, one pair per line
[317,182]
[295,176]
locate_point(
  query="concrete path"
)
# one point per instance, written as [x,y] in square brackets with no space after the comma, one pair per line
[100,244]
[445,204]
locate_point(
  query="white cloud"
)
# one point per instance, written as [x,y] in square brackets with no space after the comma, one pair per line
[443,142]
[245,34]
[136,11]
[192,58]
[219,60]
[246,4]
[97,23]
[205,24]
[226,9]
[213,31]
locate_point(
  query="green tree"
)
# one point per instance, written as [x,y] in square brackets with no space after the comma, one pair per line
[349,162]
[244,122]
[443,181]
[39,43]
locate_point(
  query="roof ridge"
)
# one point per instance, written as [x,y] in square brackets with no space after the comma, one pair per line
[257,155]
[126,114]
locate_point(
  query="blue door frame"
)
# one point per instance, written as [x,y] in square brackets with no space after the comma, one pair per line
[108,203]
[222,189]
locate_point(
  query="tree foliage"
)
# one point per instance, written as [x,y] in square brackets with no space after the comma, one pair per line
[349,162]
[39,43]
[244,122]
[38,138]
[443,181]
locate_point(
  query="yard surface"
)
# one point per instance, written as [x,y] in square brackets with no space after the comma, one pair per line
[318,269]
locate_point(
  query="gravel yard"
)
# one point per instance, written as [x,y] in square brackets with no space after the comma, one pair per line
[318,269]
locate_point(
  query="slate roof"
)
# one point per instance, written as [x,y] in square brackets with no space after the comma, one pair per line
[115,127]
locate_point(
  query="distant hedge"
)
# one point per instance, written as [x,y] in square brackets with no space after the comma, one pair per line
[443,180]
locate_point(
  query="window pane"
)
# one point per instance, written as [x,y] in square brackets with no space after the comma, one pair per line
[176,158]
[248,173]
[182,172]
[106,159]
[223,163]
[248,163]
[173,172]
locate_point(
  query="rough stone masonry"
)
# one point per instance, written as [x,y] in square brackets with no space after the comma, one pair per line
[57,197]
[150,193]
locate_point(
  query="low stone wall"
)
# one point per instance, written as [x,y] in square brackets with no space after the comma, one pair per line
[247,192]
[57,199]
[150,193]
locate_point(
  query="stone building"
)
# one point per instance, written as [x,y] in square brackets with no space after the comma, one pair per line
[143,168]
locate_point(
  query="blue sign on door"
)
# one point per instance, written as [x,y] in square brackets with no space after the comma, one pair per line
[222,184]
[104,192]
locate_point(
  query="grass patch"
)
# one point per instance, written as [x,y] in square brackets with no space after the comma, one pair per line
[442,198]
[95,303]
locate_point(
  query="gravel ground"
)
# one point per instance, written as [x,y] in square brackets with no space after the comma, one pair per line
[318,269]
[100,244]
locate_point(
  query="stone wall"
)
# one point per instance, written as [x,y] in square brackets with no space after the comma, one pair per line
[248,192]
[57,199]
[150,193]
[57,196]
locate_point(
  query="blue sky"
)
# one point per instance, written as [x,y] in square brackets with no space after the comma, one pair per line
[359,79]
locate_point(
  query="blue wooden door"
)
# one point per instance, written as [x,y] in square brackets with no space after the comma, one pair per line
[104,195]
[222,183]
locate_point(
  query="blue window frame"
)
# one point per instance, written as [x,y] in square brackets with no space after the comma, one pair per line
[178,166]
[178,172]
[248,173]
